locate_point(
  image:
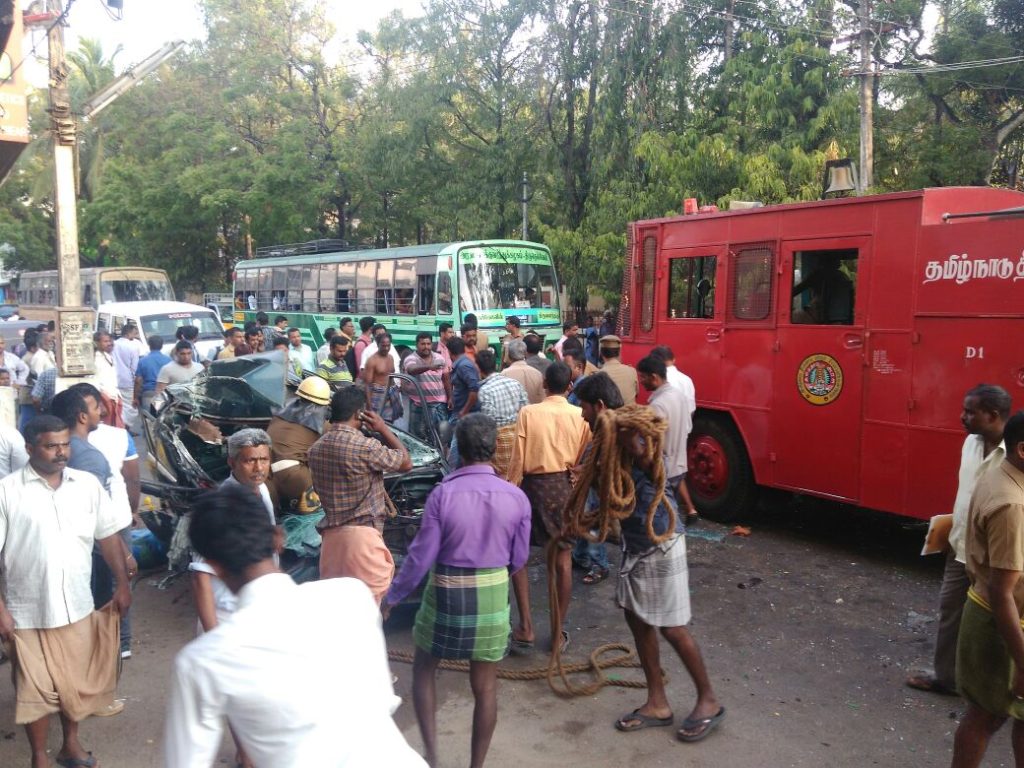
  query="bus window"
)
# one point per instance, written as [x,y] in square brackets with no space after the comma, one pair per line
[425,293]
[405,287]
[366,280]
[310,281]
[264,290]
[385,290]
[345,295]
[496,285]
[752,283]
[691,287]
[278,287]
[823,287]
[444,294]
[294,296]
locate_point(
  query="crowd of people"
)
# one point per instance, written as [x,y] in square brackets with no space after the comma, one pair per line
[518,448]
[548,447]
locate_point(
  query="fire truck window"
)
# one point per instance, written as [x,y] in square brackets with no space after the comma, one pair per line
[823,287]
[647,287]
[752,284]
[691,287]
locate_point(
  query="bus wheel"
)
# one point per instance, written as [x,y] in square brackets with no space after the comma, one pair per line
[719,475]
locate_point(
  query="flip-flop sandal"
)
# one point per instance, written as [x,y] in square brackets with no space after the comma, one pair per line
[77,762]
[637,721]
[929,684]
[705,724]
[595,576]
[519,646]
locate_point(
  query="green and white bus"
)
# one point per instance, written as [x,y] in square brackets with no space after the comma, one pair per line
[409,289]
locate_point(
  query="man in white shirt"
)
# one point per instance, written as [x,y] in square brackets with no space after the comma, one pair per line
[128,350]
[669,403]
[684,384]
[371,349]
[65,652]
[249,459]
[984,415]
[675,377]
[288,707]
[14,364]
[12,451]
[43,359]
[300,353]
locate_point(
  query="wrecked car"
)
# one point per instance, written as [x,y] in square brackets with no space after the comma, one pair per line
[187,438]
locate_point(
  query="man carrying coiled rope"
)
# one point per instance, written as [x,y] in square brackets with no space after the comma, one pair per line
[626,468]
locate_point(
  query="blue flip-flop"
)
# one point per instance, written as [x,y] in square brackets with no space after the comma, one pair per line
[77,762]
[705,724]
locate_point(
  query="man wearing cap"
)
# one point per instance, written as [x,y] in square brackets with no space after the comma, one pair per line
[623,375]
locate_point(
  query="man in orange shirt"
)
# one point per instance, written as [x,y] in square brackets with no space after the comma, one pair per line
[550,436]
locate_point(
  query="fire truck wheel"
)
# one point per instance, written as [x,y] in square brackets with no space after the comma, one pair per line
[719,475]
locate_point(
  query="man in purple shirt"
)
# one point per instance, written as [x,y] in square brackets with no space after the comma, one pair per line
[475,532]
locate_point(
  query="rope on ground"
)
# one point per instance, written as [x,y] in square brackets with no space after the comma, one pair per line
[627,658]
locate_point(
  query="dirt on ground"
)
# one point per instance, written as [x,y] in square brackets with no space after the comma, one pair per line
[808,627]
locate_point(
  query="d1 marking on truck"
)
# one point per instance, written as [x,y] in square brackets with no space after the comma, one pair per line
[820,379]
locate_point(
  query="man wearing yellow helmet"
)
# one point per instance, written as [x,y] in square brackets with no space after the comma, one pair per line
[292,431]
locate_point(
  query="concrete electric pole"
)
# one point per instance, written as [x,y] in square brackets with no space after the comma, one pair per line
[62,126]
[867,141]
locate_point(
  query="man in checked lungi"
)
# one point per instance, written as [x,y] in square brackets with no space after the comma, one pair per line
[550,436]
[653,591]
[64,654]
[475,531]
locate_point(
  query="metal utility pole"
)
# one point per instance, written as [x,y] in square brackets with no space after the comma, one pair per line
[525,200]
[62,126]
[867,141]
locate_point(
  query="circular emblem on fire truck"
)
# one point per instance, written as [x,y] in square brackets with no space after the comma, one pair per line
[820,379]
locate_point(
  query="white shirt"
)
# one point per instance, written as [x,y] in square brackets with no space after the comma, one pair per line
[113,443]
[17,367]
[176,373]
[323,352]
[106,375]
[973,464]
[46,539]
[371,349]
[302,685]
[42,360]
[669,403]
[304,355]
[225,602]
[677,378]
[126,360]
[12,451]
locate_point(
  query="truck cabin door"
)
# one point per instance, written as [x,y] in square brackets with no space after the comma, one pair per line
[818,372]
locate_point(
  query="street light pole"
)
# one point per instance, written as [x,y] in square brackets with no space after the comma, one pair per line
[62,127]
[525,200]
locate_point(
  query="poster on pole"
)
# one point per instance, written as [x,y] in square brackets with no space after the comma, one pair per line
[75,356]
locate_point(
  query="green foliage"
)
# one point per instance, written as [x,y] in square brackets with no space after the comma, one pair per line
[616,110]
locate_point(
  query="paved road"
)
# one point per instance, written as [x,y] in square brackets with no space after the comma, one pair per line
[809,662]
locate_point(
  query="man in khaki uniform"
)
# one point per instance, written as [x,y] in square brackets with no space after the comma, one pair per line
[990,648]
[623,375]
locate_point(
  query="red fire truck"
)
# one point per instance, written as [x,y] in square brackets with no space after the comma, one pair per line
[831,342]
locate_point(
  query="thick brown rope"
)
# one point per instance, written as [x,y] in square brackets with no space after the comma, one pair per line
[608,468]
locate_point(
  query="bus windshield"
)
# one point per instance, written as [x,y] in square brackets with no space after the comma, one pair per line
[117,288]
[506,277]
[167,323]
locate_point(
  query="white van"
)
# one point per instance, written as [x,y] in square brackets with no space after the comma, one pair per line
[163,318]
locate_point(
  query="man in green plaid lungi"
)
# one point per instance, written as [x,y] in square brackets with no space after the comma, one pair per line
[475,532]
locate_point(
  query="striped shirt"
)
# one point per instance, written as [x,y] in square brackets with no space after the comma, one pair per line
[431,382]
[502,398]
[334,372]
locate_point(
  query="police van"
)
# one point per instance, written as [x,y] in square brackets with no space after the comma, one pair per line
[163,319]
